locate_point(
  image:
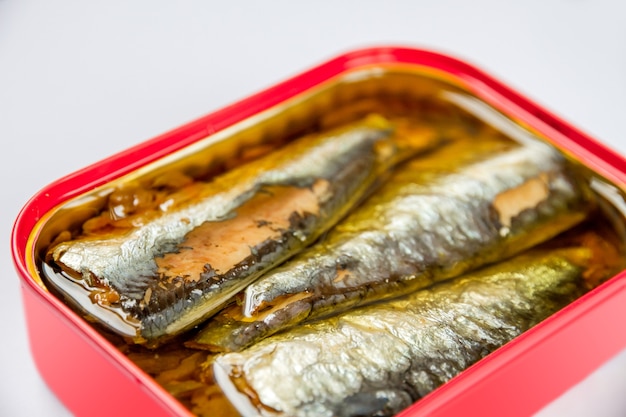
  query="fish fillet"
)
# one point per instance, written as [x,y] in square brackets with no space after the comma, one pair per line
[182,265]
[379,359]
[469,204]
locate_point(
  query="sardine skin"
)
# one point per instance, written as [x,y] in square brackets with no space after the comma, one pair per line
[397,351]
[181,266]
[467,205]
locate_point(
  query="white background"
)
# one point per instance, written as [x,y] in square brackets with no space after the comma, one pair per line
[81,80]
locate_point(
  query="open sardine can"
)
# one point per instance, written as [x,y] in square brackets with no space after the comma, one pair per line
[87,344]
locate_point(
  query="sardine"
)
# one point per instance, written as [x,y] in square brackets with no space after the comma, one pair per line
[379,359]
[183,264]
[469,204]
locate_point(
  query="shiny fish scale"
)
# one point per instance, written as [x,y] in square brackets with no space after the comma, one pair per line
[444,222]
[349,161]
[435,218]
[126,261]
[398,351]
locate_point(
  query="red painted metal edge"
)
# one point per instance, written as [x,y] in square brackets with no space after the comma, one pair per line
[86,378]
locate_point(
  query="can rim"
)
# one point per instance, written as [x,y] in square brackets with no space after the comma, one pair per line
[595,155]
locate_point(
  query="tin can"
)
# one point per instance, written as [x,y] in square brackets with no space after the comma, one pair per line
[93,377]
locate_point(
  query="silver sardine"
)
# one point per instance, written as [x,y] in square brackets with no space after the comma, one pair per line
[379,359]
[182,265]
[469,204]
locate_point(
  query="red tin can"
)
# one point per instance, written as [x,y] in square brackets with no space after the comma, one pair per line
[92,377]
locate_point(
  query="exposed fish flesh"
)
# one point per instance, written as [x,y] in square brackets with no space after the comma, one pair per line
[470,203]
[379,359]
[183,264]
